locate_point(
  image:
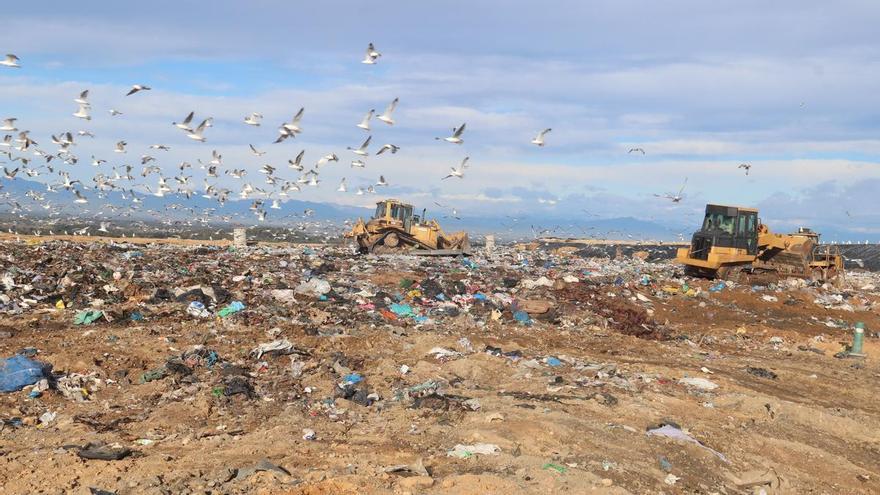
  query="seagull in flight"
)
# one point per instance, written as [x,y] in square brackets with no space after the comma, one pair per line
[745,166]
[371,56]
[386,116]
[198,133]
[255,151]
[342,187]
[253,119]
[293,126]
[458,172]
[539,139]
[675,198]
[185,124]
[365,122]
[636,150]
[9,124]
[382,181]
[358,164]
[114,112]
[138,87]
[455,138]
[393,148]
[10,61]
[120,147]
[362,151]
[296,163]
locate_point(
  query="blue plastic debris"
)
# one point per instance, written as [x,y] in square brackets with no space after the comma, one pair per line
[353,378]
[136,316]
[522,317]
[469,264]
[480,297]
[720,286]
[403,310]
[553,361]
[323,297]
[19,371]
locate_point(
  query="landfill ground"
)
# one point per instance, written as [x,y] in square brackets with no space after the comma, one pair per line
[521,371]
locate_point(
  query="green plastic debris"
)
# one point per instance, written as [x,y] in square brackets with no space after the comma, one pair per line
[154,374]
[555,467]
[406,283]
[87,317]
[232,308]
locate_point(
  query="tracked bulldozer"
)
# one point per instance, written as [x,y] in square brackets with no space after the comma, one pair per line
[394,229]
[733,243]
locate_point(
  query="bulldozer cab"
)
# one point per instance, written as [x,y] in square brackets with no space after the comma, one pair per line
[392,211]
[727,227]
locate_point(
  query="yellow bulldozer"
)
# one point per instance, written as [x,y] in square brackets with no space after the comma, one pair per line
[733,242]
[394,229]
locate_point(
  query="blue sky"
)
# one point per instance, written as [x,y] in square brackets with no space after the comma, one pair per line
[787,86]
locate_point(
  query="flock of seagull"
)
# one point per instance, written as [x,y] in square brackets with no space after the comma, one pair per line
[121,179]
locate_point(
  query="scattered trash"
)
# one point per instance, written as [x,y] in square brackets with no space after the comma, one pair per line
[675,433]
[555,467]
[87,317]
[19,371]
[465,451]
[699,383]
[232,308]
[761,373]
[198,309]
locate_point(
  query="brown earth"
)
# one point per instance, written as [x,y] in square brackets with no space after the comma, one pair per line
[576,428]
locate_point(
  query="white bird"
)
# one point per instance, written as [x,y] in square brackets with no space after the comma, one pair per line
[636,150]
[255,151]
[381,181]
[103,227]
[114,112]
[198,133]
[253,119]
[79,197]
[185,124]
[746,166]
[371,56]
[294,126]
[388,147]
[120,147]
[85,134]
[160,147]
[358,164]
[83,112]
[330,157]
[276,204]
[10,61]
[342,187]
[362,151]
[365,123]
[675,198]
[458,172]
[386,116]
[137,87]
[455,138]
[296,163]
[360,191]
[9,124]
[539,139]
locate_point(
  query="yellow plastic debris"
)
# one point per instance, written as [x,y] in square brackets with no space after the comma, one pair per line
[60,304]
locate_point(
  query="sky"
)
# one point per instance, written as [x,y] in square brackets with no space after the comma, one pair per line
[788,87]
